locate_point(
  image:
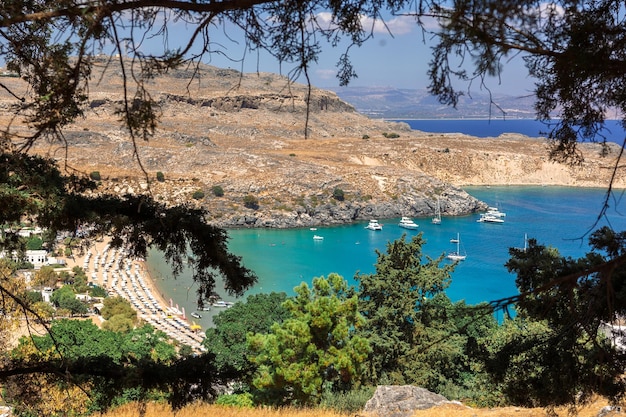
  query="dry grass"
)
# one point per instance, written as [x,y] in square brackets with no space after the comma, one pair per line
[450,410]
[198,410]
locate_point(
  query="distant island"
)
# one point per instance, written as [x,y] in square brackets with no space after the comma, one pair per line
[399,103]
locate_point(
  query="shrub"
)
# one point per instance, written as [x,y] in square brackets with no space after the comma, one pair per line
[95,175]
[348,402]
[391,135]
[338,194]
[251,201]
[217,190]
[198,195]
[160,177]
[292,154]
[236,400]
[366,136]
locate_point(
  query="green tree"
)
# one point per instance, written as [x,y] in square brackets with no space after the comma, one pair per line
[338,194]
[119,314]
[217,190]
[561,345]
[97,291]
[315,349]
[251,201]
[34,243]
[61,295]
[392,301]
[228,339]
[46,276]
[81,345]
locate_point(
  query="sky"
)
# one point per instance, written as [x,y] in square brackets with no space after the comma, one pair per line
[397,56]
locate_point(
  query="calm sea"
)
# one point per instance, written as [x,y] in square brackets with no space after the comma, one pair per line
[557,216]
[495,127]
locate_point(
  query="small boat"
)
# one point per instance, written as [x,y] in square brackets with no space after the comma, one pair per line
[407,223]
[437,218]
[490,218]
[374,225]
[494,211]
[220,303]
[317,237]
[456,255]
[196,315]
[313,228]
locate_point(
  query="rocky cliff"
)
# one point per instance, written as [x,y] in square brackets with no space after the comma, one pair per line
[245,134]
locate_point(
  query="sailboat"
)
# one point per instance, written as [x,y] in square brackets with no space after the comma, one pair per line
[456,255]
[437,218]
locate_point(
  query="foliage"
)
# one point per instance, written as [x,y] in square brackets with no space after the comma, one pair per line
[160,176]
[572,49]
[315,349]
[65,298]
[34,243]
[338,194]
[228,339]
[557,350]
[95,175]
[236,400]
[119,315]
[418,336]
[46,276]
[391,300]
[198,195]
[352,401]
[251,201]
[10,285]
[137,222]
[104,368]
[391,135]
[97,291]
[217,191]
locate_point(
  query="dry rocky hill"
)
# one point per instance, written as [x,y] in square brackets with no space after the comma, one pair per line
[246,134]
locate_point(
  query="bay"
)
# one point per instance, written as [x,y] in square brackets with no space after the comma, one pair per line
[556,216]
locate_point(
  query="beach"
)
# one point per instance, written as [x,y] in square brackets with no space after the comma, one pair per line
[113,270]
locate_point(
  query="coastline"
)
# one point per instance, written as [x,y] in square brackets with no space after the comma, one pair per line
[138,287]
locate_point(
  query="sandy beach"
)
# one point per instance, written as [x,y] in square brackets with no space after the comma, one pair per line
[129,278]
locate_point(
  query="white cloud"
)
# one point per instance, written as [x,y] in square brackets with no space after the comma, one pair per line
[325,74]
[400,25]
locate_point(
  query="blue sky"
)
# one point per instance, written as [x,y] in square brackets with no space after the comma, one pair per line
[397,56]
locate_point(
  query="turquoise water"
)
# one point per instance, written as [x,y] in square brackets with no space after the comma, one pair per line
[555,216]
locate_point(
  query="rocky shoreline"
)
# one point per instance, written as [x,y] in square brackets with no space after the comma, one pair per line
[244,134]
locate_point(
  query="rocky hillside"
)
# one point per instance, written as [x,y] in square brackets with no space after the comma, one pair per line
[245,134]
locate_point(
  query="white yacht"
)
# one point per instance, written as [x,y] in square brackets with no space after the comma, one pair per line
[495,211]
[407,223]
[374,225]
[490,218]
[456,255]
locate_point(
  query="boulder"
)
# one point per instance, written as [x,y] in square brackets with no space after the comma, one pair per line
[401,401]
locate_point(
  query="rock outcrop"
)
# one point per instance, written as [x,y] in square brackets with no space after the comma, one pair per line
[401,401]
[245,133]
